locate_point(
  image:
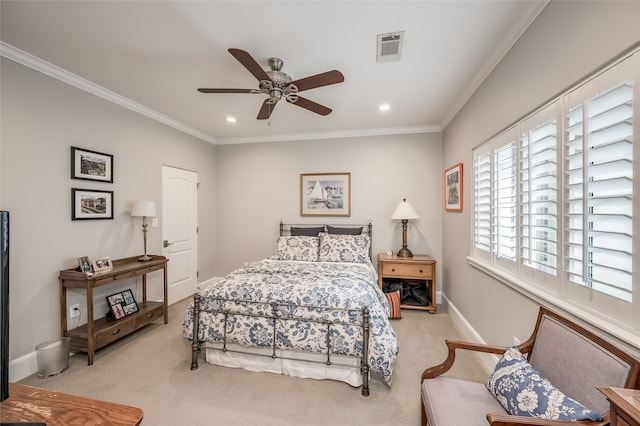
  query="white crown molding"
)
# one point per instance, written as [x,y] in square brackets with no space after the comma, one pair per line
[28,60]
[37,64]
[330,135]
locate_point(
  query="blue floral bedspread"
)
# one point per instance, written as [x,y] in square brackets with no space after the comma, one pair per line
[303,290]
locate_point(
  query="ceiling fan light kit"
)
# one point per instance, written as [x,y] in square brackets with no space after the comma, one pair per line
[278,85]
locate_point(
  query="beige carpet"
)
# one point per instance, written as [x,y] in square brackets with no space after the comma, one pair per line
[150,369]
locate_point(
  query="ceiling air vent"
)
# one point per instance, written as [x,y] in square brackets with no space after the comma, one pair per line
[390,46]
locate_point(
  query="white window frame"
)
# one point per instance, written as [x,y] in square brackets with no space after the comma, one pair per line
[614,316]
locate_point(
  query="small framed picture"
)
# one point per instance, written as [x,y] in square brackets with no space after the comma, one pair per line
[327,194]
[91,165]
[102,264]
[130,305]
[122,304]
[88,204]
[453,188]
[85,265]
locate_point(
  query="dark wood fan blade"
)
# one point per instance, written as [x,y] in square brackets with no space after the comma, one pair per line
[249,63]
[266,110]
[202,90]
[311,106]
[319,80]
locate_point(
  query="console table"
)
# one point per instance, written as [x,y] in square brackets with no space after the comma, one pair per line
[27,404]
[98,333]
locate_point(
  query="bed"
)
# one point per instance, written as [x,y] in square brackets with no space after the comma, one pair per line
[311,310]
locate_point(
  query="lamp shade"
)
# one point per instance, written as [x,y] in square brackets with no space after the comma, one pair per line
[144,208]
[405,210]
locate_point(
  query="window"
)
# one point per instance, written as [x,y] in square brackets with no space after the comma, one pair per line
[554,198]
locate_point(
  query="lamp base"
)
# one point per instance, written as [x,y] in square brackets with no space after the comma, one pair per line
[145,258]
[405,252]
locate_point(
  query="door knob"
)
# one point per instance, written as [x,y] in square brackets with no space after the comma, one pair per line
[166,243]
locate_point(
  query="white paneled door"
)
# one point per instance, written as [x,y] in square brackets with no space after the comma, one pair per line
[180,230]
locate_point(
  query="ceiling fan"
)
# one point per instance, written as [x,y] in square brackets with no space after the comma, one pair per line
[278,85]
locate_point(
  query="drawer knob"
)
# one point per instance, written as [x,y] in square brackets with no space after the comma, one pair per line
[420,270]
[116,331]
[149,315]
[393,269]
[116,277]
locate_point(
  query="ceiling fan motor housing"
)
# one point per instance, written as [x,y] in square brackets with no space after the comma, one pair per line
[277,84]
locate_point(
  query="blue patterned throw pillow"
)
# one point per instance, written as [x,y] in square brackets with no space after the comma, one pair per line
[522,391]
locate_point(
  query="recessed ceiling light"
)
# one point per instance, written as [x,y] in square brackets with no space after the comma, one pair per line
[384,107]
[231,120]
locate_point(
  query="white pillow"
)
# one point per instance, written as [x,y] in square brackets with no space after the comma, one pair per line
[344,248]
[297,248]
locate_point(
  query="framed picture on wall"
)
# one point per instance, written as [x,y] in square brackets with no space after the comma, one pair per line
[87,204]
[91,165]
[327,194]
[453,188]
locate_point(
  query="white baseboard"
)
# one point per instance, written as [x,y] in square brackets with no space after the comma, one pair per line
[488,361]
[22,367]
[27,365]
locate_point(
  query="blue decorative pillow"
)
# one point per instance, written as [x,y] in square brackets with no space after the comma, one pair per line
[522,391]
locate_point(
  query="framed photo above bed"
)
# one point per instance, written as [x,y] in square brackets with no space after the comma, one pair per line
[327,194]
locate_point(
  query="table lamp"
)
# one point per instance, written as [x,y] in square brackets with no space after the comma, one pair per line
[404,213]
[145,209]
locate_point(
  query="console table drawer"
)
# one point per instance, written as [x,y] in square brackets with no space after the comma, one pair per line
[150,314]
[112,333]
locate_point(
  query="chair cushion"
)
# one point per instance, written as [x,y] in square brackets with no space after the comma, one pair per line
[444,396]
[522,391]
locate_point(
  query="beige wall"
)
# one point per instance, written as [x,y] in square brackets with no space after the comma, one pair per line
[41,119]
[259,184]
[244,191]
[567,41]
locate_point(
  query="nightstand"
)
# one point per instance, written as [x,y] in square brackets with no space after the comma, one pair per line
[415,271]
[625,405]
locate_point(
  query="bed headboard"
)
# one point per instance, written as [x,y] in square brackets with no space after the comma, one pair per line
[367,229]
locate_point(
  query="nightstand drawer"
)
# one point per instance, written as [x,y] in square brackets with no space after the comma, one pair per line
[404,270]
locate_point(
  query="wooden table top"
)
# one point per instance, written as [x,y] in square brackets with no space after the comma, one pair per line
[35,405]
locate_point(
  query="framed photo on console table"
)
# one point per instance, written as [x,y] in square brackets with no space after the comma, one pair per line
[453,188]
[122,304]
[326,194]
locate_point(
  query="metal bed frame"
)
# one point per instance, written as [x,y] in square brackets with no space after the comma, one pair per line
[278,315]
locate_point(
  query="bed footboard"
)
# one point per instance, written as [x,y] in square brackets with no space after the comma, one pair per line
[196,345]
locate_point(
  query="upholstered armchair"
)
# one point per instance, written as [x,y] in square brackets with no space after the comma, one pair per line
[573,359]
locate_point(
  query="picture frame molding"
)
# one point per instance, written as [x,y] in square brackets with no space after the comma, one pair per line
[77,212]
[453,188]
[77,160]
[322,206]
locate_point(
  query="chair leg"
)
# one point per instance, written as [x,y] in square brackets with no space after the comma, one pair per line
[424,413]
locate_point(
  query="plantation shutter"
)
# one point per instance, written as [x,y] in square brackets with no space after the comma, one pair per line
[538,192]
[482,188]
[599,192]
